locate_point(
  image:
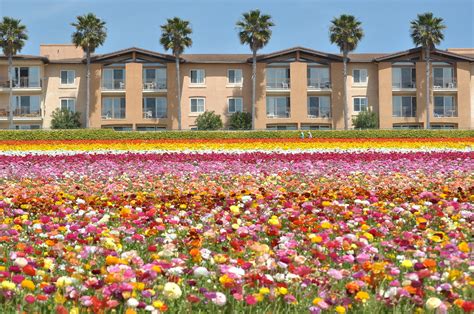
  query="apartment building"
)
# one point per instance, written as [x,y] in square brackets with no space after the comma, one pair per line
[297,88]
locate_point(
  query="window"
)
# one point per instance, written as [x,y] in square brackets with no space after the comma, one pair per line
[197,76]
[68,77]
[319,107]
[69,104]
[404,106]
[154,107]
[445,106]
[278,78]
[319,78]
[235,105]
[234,76]
[403,77]
[113,108]
[443,77]
[26,77]
[27,127]
[197,105]
[408,126]
[360,104]
[113,79]
[276,127]
[315,127]
[27,106]
[278,107]
[154,78]
[151,128]
[360,76]
[444,126]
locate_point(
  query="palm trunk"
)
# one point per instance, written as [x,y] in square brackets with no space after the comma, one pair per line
[254,86]
[88,79]
[178,85]
[428,95]
[346,107]
[10,103]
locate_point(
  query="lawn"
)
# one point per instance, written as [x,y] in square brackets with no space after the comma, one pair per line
[236,225]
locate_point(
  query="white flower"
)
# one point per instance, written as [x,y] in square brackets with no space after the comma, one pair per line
[21,262]
[201,272]
[132,302]
[172,291]
[220,299]
[433,303]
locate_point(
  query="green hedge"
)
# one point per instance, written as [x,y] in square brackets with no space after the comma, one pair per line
[111,134]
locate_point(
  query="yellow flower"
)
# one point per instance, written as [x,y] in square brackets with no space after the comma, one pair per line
[326,225]
[463,247]
[264,290]
[158,304]
[172,291]
[362,296]
[407,263]
[282,290]
[274,221]
[8,285]
[315,238]
[235,209]
[28,284]
[63,282]
[317,300]
[74,310]
[58,298]
[326,203]
[259,297]
[340,309]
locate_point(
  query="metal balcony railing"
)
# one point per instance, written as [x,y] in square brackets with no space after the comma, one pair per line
[319,83]
[278,83]
[115,84]
[404,84]
[23,112]
[444,83]
[23,82]
[154,84]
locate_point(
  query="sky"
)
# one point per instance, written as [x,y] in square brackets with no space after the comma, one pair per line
[136,23]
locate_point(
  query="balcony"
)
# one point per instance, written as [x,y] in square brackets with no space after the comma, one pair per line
[23,113]
[154,85]
[150,114]
[444,83]
[278,84]
[404,85]
[113,85]
[279,115]
[318,84]
[24,84]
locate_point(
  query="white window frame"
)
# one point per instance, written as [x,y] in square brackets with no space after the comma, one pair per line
[413,106]
[67,75]
[319,106]
[453,111]
[147,115]
[235,107]
[360,83]
[360,97]
[203,77]
[235,83]
[197,105]
[68,99]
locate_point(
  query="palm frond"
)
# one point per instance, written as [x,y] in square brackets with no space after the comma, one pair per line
[13,35]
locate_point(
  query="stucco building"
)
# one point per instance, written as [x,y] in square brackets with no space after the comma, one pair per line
[297,88]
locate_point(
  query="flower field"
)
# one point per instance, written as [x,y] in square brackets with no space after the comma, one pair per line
[237,226]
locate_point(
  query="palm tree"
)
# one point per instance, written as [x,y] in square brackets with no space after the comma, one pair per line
[175,36]
[12,39]
[90,34]
[255,31]
[427,31]
[345,32]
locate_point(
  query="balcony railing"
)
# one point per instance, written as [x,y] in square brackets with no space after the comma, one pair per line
[313,115]
[278,115]
[116,84]
[319,84]
[452,113]
[23,82]
[444,83]
[278,83]
[404,85]
[21,113]
[154,84]
[150,114]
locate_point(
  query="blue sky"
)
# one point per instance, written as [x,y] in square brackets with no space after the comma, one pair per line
[298,22]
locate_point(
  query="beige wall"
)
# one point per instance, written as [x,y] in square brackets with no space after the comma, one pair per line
[369,90]
[61,52]
[56,91]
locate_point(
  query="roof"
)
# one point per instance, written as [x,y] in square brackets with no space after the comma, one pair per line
[419,49]
[71,60]
[299,50]
[364,57]
[26,57]
[122,52]
[216,58]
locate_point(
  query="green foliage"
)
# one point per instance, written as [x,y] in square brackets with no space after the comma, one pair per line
[240,121]
[365,120]
[90,32]
[209,121]
[255,29]
[105,134]
[12,35]
[427,30]
[346,32]
[65,119]
[176,35]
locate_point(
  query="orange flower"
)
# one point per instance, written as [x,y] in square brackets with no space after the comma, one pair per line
[429,263]
[352,287]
